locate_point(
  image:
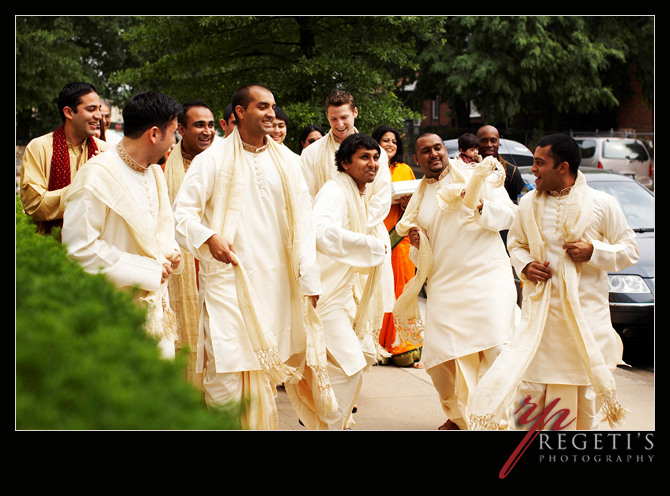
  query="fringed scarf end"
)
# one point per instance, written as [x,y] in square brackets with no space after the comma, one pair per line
[612,410]
[276,370]
[486,422]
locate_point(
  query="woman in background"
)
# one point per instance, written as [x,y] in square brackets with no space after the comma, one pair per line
[403,355]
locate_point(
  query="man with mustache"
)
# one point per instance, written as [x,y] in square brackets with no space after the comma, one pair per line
[470,292]
[117,217]
[564,240]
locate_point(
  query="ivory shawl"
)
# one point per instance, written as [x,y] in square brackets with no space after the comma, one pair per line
[326,168]
[228,204]
[495,391]
[183,287]
[370,308]
[101,178]
[406,313]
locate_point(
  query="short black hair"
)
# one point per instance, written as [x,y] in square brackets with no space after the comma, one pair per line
[183,118]
[70,96]
[467,141]
[241,97]
[281,114]
[148,109]
[351,144]
[227,112]
[308,130]
[562,148]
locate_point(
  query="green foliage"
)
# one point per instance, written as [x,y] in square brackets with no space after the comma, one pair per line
[518,65]
[52,51]
[300,59]
[83,359]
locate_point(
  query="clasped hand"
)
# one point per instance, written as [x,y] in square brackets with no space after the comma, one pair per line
[579,251]
[170,266]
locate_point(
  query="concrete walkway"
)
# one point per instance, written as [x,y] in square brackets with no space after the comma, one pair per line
[393,399]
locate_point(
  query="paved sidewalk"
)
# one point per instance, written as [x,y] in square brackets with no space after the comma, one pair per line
[395,398]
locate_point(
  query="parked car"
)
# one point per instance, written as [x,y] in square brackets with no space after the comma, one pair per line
[512,151]
[625,155]
[631,290]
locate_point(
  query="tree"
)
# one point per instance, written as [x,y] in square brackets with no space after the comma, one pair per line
[301,59]
[52,51]
[516,65]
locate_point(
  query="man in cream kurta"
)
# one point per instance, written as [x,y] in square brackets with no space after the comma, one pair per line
[196,127]
[233,372]
[118,219]
[556,369]
[470,291]
[317,163]
[345,250]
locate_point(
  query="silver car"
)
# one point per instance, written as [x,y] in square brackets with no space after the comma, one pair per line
[624,155]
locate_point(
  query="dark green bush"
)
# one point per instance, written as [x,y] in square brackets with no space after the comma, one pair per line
[83,359]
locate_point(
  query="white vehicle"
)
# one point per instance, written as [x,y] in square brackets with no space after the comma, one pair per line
[512,151]
[624,155]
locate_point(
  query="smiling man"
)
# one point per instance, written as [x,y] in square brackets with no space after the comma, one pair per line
[244,212]
[489,142]
[317,162]
[470,290]
[346,248]
[564,240]
[117,218]
[51,161]
[196,126]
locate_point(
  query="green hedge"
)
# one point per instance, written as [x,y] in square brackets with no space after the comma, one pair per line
[83,359]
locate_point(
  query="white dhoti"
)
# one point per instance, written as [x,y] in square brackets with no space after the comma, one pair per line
[576,409]
[455,381]
[247,395]
[341,248]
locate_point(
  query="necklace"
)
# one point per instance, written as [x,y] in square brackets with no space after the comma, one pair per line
[253,149]
[563,192]
[127,159]
[441,176]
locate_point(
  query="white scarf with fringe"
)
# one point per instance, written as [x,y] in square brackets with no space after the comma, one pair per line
[103,179]
[406,314]
[326,169]
[367,289]
[228,203]
[495,391]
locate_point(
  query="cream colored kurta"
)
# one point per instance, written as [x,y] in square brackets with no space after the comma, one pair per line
[379,204]
[470,291]
[557,359]
[183,287]
[260,243]
[340,252]
[99,238]
[38,202]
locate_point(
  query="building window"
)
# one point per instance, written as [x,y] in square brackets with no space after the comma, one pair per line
[435,108]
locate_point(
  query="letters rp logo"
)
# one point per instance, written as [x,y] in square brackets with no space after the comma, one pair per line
[539,422]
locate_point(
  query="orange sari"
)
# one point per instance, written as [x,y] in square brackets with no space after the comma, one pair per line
[403,270]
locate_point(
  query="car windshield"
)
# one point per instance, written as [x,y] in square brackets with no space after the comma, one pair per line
[624,149]
[636,202]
